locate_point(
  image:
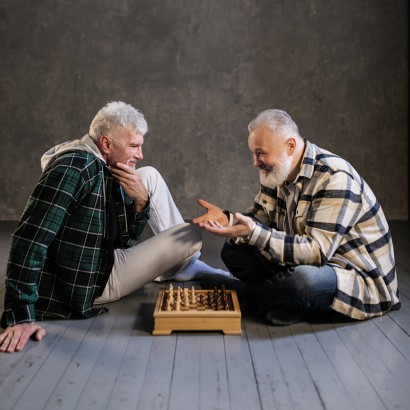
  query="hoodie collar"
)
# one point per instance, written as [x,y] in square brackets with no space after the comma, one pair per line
[86,143]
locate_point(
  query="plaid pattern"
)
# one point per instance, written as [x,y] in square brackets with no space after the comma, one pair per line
[58,251]
[337,221]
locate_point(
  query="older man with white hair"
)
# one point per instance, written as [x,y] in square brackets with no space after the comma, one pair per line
[74,247]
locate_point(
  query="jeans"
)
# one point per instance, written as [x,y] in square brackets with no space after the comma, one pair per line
[274,288]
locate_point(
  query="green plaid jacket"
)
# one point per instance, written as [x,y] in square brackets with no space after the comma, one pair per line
[58,251]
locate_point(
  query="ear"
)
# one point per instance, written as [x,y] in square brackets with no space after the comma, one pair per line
[291,145]
[105,144]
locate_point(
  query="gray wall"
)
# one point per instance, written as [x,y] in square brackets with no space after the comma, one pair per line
[200,70]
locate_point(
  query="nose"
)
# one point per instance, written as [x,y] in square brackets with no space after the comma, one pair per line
[138,154]
[256,161]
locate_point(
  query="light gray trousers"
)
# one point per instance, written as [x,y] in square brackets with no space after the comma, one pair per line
[173,245]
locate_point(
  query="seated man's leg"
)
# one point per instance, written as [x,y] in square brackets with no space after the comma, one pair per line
[164,212]
[164,215]
[136,266]
[246,263]
[293,293]
[281,294]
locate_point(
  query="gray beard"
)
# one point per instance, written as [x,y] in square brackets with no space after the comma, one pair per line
[278,175]
[271,180]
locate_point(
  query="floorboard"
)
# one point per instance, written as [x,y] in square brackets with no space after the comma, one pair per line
[213,377]
[384,381]
[80,366]
[352,379]
[324,375]
[272,386]
[302,391]
[243,389]
[114,362]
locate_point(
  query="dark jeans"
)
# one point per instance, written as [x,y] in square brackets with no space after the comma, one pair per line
[273,288]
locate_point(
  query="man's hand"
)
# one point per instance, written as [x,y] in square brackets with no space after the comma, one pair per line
[241,229]
[213,214]
[131,181]
[15,337]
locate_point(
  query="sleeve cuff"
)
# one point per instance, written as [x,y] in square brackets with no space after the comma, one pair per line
[230,217]
[260,236]
[144,213]
[17,315]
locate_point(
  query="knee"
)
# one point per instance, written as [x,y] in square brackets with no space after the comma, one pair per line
[187,235]
[150,176]
[308,287]
[194,232]
[306,279]
[148,170]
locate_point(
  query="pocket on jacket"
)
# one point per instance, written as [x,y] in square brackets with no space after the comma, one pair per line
[301,216]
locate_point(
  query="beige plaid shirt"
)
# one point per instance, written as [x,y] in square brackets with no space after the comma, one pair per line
[338,221]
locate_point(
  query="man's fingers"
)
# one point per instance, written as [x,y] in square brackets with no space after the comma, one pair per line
[214,224]
[39,334]
[122,175]
[123,167]
[3,337]
[15,338]
[4,341]
[201,219]
[20,341]
[242,218]
[215,230]
[204,204]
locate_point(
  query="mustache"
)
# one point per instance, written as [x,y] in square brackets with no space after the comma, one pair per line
[265,167]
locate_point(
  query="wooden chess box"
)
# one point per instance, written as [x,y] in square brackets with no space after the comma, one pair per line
[197,316]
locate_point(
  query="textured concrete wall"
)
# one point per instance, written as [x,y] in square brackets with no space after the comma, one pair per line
[200,70]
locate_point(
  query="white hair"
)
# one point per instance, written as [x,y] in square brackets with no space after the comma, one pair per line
[116,115]
[277,121]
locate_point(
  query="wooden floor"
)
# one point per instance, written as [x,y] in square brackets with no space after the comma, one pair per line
[114,362]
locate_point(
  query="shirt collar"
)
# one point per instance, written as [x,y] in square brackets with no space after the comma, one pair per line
[307,167]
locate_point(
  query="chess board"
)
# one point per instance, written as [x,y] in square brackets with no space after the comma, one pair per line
[196,310]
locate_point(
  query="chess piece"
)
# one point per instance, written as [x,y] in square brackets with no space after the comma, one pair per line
[171,293]
[215,298]
[186,299]
[225,301]
[178,302]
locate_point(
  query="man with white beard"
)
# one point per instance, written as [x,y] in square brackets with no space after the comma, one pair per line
[315,239]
